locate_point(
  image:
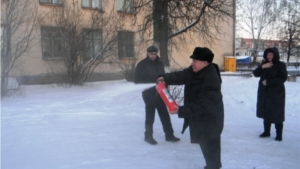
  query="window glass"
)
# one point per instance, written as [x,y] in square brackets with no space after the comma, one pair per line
[97,47]
[86,3]
[52,1]
[95,3]
[119,5]
[57,47]
[57,1]
[47,48]
[125,44]
[93,42]
[52,43]
[124,5]
[3,40]
[91,3]
[128,5]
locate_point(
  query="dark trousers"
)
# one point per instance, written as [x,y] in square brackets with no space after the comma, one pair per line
[212,153]
[278,127]
[163,113]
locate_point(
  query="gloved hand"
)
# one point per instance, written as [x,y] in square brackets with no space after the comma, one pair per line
[175,111]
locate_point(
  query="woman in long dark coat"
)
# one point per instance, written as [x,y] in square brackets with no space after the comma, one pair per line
[271,92]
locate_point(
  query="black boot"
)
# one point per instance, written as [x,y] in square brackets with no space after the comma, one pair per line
[267,128]
[150,140]
[278,127]
[149,135]
[172,138]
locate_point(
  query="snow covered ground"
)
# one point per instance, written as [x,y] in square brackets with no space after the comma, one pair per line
[101,126]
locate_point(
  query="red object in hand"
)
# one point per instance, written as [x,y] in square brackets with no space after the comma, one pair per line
[165,95]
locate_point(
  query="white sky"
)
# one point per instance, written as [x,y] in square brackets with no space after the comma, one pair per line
[101,126]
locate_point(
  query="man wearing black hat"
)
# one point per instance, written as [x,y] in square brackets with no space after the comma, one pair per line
[203,109]
[147,71]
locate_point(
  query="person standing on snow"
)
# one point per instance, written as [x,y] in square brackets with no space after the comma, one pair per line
[147,71]
[203,109]
[271,92]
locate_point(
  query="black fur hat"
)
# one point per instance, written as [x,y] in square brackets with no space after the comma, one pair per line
[152,49]
[203,54]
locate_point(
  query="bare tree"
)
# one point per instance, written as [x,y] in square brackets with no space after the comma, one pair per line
[18,23]
[289,26]
[88,39]
[167,19]
[257,19]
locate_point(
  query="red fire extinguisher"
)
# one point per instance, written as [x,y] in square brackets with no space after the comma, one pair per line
[165,95]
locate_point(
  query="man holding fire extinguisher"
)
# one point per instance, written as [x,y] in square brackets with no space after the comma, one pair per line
[147,71]
[203,109]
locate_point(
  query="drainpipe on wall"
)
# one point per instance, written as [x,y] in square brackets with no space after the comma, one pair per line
[234,24]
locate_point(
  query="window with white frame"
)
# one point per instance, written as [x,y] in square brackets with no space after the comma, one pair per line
[125,6]
[93,43]
[52,43]
[96,4]
[125,44]
[55,2]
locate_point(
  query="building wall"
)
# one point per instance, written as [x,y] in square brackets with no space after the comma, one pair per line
[264,43]
[33,68]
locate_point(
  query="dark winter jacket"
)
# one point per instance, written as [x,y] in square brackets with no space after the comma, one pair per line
[148,71]
[203,108]
[271,98]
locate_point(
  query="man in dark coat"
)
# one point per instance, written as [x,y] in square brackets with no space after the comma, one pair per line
[147,71]
[203,108]
[271,92]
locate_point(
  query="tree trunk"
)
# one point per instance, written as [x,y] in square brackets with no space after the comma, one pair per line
[289,47]
[6,61]
[160,27]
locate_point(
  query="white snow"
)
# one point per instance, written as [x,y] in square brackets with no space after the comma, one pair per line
[241,57]
[101,126]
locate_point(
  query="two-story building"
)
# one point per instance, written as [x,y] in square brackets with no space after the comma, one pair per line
[246,45]
[107,25]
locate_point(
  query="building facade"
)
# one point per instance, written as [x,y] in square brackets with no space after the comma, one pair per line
[69,38]
[246,45]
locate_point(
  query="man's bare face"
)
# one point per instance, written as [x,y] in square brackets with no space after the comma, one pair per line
[198,65]
[152,55]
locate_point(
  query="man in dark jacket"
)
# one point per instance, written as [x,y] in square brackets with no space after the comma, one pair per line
[147,71]
[203,109]
[271,92]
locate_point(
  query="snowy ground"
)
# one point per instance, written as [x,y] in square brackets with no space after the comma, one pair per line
[100,126]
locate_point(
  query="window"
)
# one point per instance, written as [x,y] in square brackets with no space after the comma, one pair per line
[55,2]
[52,43]
[125,6]
[3,41]
[91,4]
[244,44]
[93,42]
[125,44]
